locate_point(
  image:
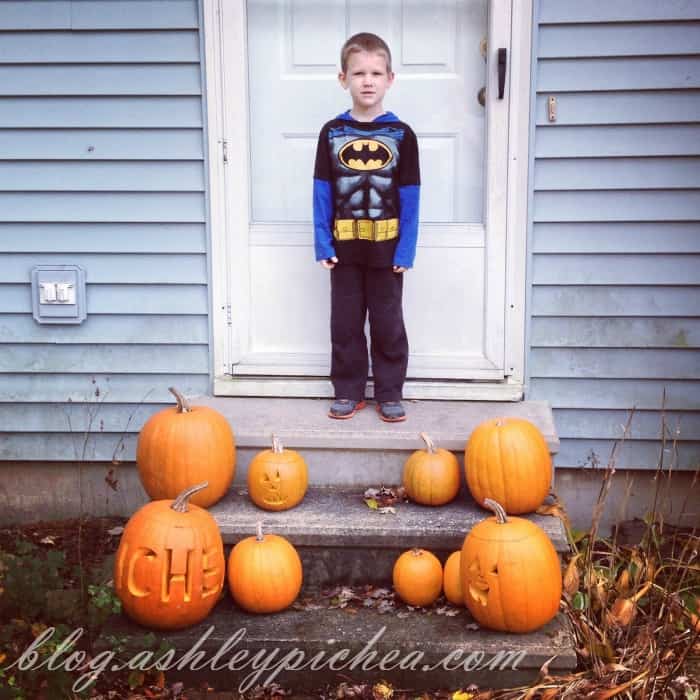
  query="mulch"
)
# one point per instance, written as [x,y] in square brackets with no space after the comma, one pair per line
[93,539]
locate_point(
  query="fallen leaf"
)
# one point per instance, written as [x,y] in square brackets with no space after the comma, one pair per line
[372,503]
[385,606]
[380,593]
[572,578]
[462,695]
[382,691]
[623,584]
[49,539]
[555,510]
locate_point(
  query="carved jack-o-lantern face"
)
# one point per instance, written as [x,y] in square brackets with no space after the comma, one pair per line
[169,568]
[277,478]
[510,574]
[271,487]
[479,584]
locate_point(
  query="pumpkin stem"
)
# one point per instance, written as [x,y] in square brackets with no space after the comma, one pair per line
[497,508]
[182,405]
[429,444]
[258,531]
[277,445]
[180,503]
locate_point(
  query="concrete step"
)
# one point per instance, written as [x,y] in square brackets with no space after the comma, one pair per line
[422,649]
[363,450]
[342,541]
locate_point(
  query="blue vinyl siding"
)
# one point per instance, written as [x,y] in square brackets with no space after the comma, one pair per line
[614,268]
[102,164]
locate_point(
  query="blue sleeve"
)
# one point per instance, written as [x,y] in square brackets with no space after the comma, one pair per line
[405,254]
[323,219]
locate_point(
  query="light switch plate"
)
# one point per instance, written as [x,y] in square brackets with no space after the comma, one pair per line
[58,294]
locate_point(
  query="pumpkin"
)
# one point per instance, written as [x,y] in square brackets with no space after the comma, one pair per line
[507,460]
[418,577]
[264,573]
[451,582]
[511,578]
[277,478]
[431,476]
[183,445]
[169,567]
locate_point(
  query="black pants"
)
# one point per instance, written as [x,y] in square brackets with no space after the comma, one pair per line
[355,290]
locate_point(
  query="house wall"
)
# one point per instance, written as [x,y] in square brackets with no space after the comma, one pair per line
[614,266]
[101,165]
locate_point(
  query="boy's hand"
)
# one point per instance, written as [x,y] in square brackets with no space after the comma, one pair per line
[398,268]
[330,263]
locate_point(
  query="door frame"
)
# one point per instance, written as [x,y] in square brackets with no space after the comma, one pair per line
[226,115]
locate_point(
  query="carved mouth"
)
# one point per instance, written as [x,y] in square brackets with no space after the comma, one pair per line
[478,585]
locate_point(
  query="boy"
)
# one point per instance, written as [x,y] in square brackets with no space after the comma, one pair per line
[366,191]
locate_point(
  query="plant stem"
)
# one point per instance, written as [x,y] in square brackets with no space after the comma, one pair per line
[180,504]
[429,444]
[182,405]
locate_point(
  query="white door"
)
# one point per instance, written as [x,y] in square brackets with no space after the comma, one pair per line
[443,53]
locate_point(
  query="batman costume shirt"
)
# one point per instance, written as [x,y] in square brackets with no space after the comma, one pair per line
[366,191]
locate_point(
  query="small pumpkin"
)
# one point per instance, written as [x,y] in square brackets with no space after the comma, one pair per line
[511,578]
[277,478]
[452,582]
[169,567]
[417,577]
[507,460]
[431,476]
[184,445]
[264,573]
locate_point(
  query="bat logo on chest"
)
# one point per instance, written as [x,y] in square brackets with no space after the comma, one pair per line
[365,154]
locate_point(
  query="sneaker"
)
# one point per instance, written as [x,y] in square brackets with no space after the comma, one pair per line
[391,411]
[345,408]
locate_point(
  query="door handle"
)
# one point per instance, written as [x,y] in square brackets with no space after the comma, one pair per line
[502,54]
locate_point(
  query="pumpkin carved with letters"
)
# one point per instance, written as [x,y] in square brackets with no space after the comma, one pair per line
[169,569]
[511,578]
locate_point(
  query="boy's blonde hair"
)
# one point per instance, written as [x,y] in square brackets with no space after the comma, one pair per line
[364,41]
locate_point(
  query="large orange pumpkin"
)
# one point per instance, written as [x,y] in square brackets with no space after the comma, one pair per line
[184,445]
[417,577]
[169,568]
[507,460]
[431,476]
[277,478]
[452,582]
[511,578]
[264,573]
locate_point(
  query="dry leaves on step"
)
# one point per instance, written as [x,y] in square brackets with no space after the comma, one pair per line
[448,610]
[382,691]
[383,499]
[556,509]
[350,690]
